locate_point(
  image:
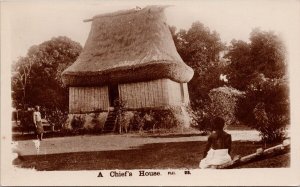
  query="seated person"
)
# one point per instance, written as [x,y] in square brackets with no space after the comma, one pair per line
[218,146]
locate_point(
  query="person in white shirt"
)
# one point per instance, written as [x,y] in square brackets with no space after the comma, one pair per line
[37,119]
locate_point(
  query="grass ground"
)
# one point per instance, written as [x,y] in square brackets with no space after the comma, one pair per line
[29,135]
[172,155]
[280,161]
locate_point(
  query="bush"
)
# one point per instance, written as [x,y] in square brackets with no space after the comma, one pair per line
[266,108]
[158,119]
[77,122]
[94,121]
[270,131]
[163,119]
[200,119]
[125,121]
[56,117]
[26,120]
[224,103]
[85,123]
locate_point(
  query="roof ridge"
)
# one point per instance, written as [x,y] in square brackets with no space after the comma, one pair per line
[125,12]
[118,13]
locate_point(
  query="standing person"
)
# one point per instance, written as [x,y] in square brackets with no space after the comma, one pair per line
[37,119]
[218,146]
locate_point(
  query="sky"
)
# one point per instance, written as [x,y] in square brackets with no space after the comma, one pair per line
[32,22]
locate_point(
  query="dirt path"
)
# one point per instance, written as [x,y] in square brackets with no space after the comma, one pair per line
[112,142]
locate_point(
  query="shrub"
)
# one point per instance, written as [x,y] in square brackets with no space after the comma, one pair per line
[142,120]
[74,123]
[125,121]
[77,122]
[164,119]
[199,119]
[26,120]
[266,108]
[99,120]
[224,102]
[91,123]
[157,119]
[269,130]
[56,117]
[137,123]
[94,122]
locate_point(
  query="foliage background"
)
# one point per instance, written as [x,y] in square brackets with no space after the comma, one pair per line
[36,78]
[257,68]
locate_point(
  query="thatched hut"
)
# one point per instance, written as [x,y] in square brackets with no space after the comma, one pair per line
[129,55]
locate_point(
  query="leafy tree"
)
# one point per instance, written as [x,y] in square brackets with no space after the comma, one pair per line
[259,69]
[265,54]
[20,80]
[198,45]
[239,70]
[36,78]
[200,48]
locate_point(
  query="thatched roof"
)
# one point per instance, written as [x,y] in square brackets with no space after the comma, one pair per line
[128,46]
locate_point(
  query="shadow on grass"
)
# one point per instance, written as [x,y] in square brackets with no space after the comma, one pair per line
[173,155]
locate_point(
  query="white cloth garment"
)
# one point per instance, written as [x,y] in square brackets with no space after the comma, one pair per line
[37,116]
[215,158]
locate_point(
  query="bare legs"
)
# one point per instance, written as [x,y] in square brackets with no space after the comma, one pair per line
[40,136]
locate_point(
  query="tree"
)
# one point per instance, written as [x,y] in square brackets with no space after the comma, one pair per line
[36,78]
[198,45]
[265,54]
[259,69]
[200,48]
[20,80]
[239,70]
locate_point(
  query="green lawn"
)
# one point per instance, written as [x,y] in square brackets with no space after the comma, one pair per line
[150,156]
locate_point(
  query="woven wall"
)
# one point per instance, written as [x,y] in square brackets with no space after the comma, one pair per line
[88,99]
[157,93]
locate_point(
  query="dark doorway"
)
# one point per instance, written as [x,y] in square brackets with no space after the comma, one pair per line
[113,92]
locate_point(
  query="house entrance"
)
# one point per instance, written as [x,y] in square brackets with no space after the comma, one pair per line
[113,92]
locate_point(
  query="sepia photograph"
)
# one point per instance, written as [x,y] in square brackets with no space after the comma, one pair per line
[137,91]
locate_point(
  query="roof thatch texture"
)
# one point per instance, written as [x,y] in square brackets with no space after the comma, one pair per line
[128,46]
